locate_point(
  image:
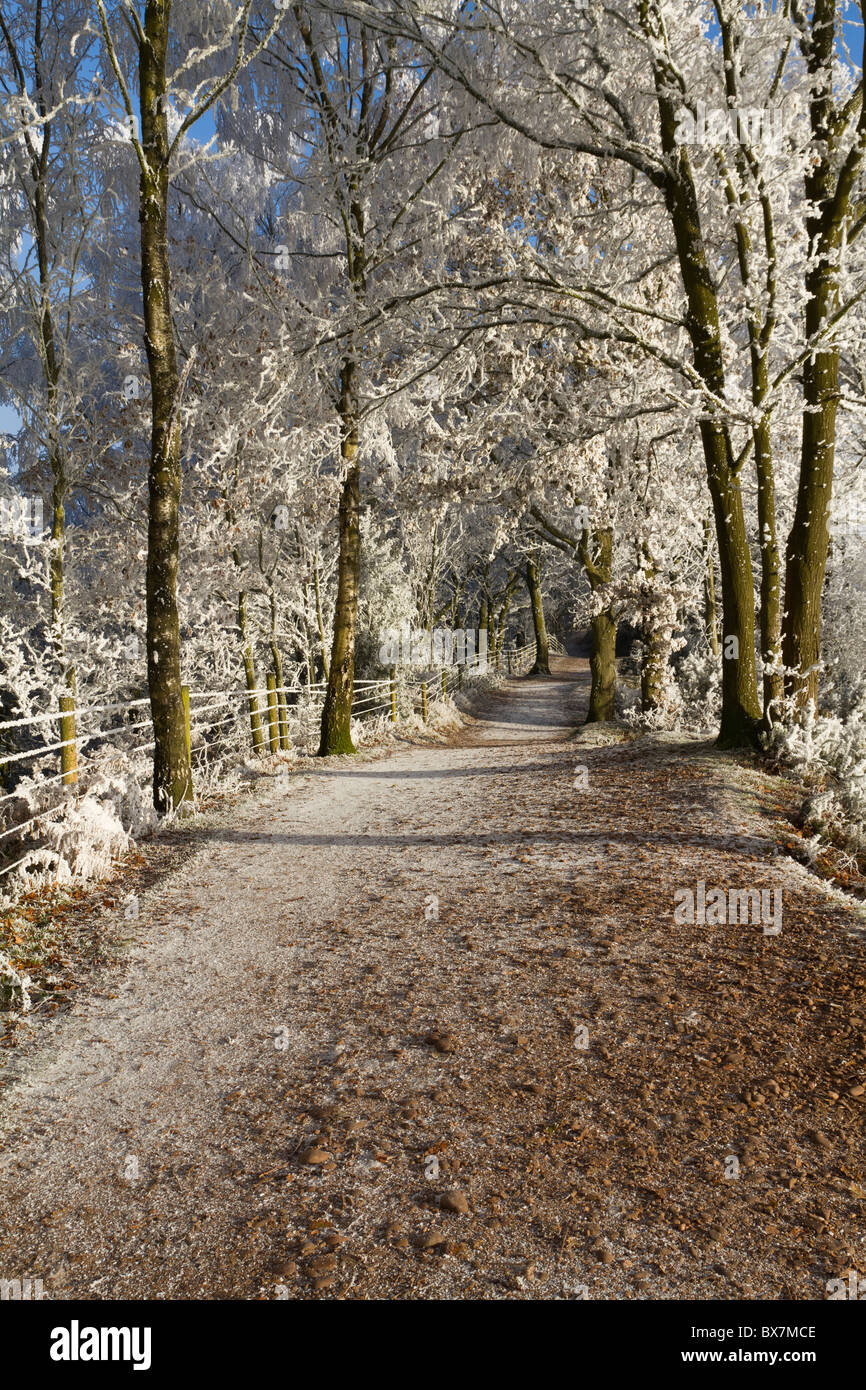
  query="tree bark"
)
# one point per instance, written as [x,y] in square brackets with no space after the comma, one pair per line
[336,735]
[598,564]
[501,616]
[277,664]
[542,653]
[51,367]
[806,553]
[172,774]
[761,318]
[482,614]
[741,711]
[828,194]
[652,671]
[602,665]
[771,574]
[711,617]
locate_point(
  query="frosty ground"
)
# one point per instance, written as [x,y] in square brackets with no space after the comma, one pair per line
[424,1026]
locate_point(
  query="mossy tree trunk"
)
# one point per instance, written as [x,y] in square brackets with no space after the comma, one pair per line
[541,666]
[829,191]
[741,710]
[740,178]
[596,553]
[501,615]
[172,774]
[336,734]
[602,665]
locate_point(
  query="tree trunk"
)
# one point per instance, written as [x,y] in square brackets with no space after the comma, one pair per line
[336,736]
[602,665]
[309,653]
[771,573]
[501,618]
[51,368]
[542,654]
[277,661]
[652,676]
[806,555]
[598,563]
[276,655]
[828,190]
[761,319]
[172,774]
[741,712]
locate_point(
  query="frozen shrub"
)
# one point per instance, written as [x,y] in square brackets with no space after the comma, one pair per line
[14,987]
[77,839]
[699,678]
[828,751]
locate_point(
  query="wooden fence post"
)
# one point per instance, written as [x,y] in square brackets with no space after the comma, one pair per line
[273,723]
[444,684]
[392,676]
[69,751]
[460,676]
[284,718]
[255,718]
[424,700]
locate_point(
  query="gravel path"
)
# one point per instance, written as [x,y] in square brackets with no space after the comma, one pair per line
[426,1027]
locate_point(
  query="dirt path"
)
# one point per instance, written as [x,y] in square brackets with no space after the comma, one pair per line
[593,1069]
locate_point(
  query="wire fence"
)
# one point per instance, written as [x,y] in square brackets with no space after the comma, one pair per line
[220,725]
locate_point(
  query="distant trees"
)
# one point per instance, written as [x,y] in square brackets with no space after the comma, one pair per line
[759,210]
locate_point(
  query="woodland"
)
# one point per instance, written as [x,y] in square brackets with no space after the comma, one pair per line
[323,320]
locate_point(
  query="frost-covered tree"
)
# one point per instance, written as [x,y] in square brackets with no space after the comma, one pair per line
[745,143]
[362,147]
